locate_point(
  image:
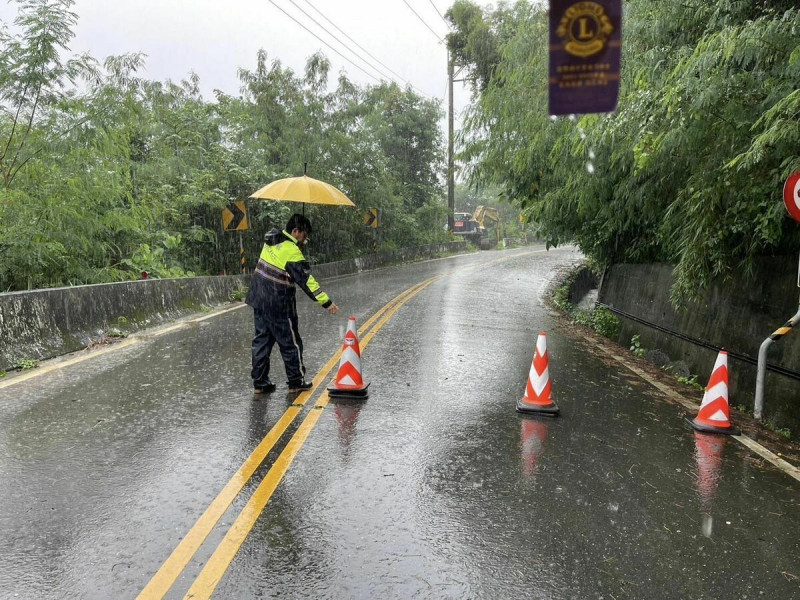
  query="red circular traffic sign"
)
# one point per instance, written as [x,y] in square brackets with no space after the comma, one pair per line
[791,195]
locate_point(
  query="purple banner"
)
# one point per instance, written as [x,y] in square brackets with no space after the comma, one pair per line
[585,48]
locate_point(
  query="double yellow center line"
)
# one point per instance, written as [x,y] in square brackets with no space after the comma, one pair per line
[215,568]
[208,579]
[163,580]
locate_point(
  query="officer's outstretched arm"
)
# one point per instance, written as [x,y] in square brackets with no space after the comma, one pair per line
[300,272]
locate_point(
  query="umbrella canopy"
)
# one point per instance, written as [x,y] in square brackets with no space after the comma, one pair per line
[303,189]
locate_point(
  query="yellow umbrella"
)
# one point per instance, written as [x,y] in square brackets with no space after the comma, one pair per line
[303,189]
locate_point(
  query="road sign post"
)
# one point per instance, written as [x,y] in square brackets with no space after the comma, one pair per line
[234,218]
[372,219]
[791,199]
[241,254]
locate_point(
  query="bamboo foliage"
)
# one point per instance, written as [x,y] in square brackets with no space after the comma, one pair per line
[690,168]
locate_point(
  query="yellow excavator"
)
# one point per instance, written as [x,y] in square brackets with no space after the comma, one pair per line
[475,227]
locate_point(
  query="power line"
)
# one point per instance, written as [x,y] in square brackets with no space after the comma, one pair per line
[321,26]
[356,54]
[411,8]
[324,42]
[439,13]
[368,53]
[355,42]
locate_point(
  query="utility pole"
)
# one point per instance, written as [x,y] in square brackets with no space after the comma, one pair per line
[451,197]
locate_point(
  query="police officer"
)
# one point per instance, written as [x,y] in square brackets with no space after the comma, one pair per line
[272,296]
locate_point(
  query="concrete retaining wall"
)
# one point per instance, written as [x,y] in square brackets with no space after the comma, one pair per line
[585,281]
[375,261]
[736,315]
[45,323]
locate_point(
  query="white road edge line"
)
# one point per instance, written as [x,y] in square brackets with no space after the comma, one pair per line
[749,443]
[130,341]
[151,334]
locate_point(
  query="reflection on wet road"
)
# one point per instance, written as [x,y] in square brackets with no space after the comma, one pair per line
[434,487]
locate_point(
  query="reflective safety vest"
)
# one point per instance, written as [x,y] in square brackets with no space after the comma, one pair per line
[279,268]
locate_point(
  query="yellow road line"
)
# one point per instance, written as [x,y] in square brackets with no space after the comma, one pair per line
[144,335]
[279,468]
[166,576]
[215,568]
[161,582]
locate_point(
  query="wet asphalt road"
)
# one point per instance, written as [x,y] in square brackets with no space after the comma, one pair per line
[433,488]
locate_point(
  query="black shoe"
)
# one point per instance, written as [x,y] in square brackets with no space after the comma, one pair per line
[305,385]
[264,389]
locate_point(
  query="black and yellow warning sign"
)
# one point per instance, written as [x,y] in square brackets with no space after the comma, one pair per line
[372,218]
[234,218]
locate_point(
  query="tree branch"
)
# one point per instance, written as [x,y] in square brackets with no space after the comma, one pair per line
[14,123]
[27,131]
[8,176]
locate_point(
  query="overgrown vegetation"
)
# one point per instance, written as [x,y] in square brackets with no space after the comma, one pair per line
[691,381]
[25,364]
[561,293]
[602,320]
[689,169]
[771,425]
[104,174]
[784,431]
[636,346]
[239,294]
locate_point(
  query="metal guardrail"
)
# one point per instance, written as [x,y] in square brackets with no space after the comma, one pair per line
[702,343]
[758,407]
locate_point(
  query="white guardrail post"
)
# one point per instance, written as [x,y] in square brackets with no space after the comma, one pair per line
[758,408]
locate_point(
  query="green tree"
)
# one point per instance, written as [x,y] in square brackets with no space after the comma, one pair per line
[106,174]
[688,170]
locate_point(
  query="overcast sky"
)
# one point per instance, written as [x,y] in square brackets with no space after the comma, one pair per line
[213,38]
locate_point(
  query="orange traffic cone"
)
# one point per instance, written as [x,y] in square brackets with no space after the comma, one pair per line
[349,383]
[714,415]
[538,391]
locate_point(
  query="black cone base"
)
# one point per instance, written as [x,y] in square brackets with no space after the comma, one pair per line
[550,410]
[710,429]
[361,394]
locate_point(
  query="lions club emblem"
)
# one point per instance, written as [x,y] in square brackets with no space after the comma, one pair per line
[585,27]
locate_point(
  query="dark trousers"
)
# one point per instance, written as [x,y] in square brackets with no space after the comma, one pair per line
[280,327]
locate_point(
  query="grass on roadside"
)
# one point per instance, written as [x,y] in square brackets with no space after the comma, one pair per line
[239,294]
[25,364]
[601,320]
